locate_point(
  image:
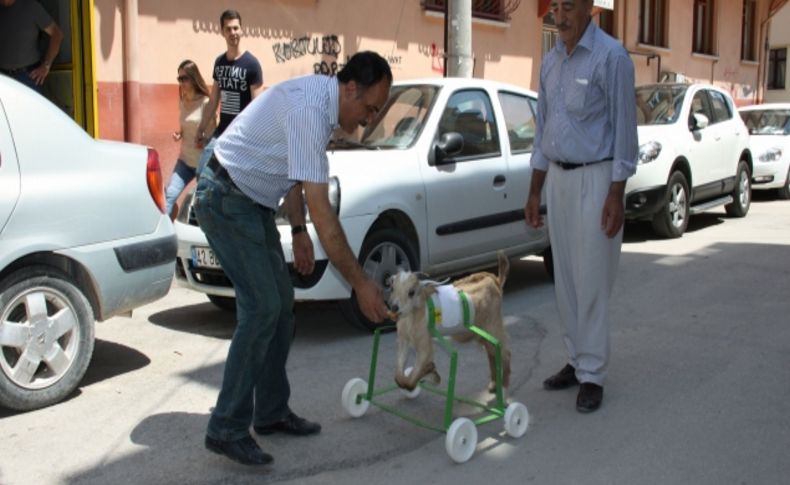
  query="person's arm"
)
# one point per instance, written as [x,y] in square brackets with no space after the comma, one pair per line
[304,258]
[539,164]
[40,73]
[209,116]
[334,242]
[255,90]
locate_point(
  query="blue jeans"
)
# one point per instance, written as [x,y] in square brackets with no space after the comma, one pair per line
[23,76]
[182,175]
[255,389]
[208,151]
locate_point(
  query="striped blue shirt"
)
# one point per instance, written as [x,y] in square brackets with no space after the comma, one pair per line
[587,105]
[280,138]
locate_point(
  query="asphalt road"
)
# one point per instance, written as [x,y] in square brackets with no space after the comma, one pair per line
[698,389]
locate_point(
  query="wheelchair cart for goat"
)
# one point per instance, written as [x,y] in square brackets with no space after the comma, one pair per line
[461,432]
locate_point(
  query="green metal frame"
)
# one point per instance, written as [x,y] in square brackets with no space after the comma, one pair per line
[491,413]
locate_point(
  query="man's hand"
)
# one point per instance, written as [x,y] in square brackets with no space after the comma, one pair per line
[613,214]
[39,74]
[371,301]
[532,211]
[304,259]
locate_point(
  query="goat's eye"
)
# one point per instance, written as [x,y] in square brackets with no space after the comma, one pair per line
[411,293]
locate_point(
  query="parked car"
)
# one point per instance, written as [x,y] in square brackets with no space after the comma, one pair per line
[437,183]
[694,155]
[769,127]
[83,237]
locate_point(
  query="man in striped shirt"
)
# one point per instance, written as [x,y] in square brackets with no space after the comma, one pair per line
[276,148]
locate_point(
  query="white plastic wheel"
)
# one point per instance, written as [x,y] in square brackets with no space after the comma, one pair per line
[416,391]
[461,440]
[355,388]
[516,419]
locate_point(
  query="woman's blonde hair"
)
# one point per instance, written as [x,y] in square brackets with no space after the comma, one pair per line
[193,73]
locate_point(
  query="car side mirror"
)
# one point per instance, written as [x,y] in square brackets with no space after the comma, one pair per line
[698,121]
[448,145]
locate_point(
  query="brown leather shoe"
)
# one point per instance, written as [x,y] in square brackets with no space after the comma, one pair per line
[561,380]
[589,398]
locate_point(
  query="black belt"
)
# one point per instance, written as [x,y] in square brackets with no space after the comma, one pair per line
[17,70]
[573,166]
[221,173]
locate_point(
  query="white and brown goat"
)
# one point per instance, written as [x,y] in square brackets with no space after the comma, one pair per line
[408,304]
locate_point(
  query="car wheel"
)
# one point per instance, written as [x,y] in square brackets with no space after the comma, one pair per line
[226,303]
[46,338]
[383,254]
[742,193]
[673,218]
[784,192]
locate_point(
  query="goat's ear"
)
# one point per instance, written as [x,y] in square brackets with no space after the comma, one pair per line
[427,290]
[421,276]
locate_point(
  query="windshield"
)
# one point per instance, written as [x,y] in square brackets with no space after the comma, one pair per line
[401,119]
[659,105]
[767,122]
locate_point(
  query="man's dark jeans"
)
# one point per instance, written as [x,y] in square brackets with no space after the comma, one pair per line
[244,237]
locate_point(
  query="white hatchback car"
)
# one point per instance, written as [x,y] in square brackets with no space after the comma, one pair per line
[693,155]
[769,127]
[83,237]
[437,183]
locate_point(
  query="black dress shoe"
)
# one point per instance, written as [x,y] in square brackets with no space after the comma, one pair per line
[589,398]
[245,451]
[561,380]
[291,424]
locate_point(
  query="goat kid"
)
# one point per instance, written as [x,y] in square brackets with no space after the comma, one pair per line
[408,303]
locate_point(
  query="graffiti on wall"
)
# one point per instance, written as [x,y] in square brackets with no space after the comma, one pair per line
[436,55]
[327,45]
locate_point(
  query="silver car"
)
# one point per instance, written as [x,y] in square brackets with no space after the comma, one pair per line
[83,237]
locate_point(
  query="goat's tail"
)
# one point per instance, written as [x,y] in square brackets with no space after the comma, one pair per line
[504,268]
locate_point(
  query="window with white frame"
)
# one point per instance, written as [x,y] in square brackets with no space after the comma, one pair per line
[704,41]
[653,22]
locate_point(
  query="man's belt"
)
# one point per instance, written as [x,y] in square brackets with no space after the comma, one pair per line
[573,166]
[221,173]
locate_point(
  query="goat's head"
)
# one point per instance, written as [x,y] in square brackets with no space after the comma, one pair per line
[409,291]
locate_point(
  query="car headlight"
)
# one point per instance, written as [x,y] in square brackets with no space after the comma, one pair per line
[649,151]
[770,155]
[281,216]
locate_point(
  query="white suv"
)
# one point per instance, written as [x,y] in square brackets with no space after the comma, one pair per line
[438,183]
[693,155]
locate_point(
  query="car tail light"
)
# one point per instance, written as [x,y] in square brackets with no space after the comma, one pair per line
[153,176]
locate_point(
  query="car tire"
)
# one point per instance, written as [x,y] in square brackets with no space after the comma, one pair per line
[672,219]
[742,194]
[784,192]
[47,329]
[383,253]
[226,303]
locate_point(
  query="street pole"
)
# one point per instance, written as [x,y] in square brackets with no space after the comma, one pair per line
[458,23]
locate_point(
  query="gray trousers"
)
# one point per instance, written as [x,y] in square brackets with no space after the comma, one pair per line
[585,264]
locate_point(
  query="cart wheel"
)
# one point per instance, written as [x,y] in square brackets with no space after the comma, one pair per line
[461,440]
[353,397]
[516,420]
[413,393]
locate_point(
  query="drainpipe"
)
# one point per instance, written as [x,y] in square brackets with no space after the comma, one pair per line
[131,85]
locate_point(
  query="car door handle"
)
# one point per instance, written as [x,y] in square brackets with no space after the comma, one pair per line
[499,180]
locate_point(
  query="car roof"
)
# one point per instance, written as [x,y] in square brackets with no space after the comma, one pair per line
[765,107]
[458,82]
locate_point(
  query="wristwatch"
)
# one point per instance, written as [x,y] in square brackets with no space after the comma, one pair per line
[297,229]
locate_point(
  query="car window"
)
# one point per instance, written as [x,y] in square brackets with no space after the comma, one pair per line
[402,118]
[519,121]
[659,105]
[699,105]
[470,114]
[767,122]
[719,106]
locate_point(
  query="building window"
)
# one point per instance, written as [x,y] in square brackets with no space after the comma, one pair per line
[550,33]
[748,51]
[653,22]
[704,25]
[777,66]
[606,22]
[484,9]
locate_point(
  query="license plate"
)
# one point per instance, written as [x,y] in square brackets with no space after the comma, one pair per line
[204,257]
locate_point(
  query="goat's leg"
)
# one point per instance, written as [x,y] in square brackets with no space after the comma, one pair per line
[423,366]
[403,353]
